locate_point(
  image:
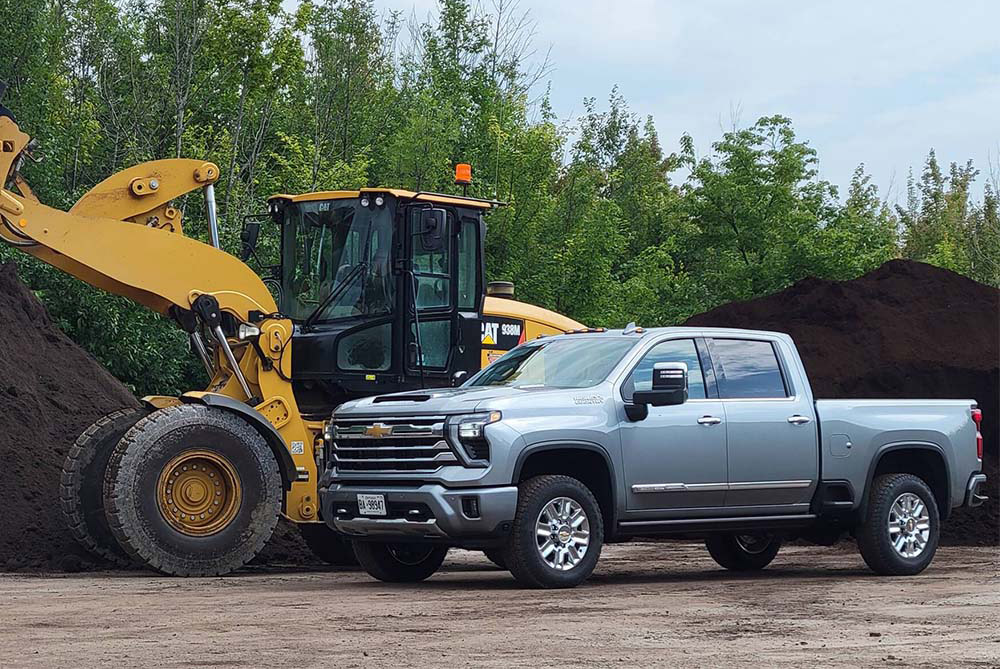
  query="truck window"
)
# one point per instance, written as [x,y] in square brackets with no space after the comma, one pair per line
[747,369]
[575,362]
[675,350]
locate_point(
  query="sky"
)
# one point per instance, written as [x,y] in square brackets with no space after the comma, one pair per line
[879,82]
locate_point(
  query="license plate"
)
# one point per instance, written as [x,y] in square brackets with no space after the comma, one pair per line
[371,505]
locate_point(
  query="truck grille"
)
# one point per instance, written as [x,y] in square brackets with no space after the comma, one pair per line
[405,444]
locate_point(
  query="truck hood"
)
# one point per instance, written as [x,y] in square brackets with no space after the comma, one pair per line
[438,401]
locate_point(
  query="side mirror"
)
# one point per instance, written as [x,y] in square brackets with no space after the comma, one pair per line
[458,378]
[433,223]
[248,237]
[670,386]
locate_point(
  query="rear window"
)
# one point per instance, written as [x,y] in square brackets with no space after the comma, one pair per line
[748,369]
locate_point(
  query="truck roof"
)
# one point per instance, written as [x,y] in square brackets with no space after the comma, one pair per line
[648,333]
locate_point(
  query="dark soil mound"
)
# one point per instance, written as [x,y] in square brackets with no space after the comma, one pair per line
[51,391]
[904,330]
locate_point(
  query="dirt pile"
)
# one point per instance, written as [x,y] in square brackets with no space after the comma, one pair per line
[51,390]
[906,329]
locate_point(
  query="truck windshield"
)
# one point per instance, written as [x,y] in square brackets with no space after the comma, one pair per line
[341,249]
[560,363]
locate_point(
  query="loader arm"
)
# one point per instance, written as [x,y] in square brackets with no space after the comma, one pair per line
[126,237]
[120,237]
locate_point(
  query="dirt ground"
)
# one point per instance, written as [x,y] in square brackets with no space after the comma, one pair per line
[647,605]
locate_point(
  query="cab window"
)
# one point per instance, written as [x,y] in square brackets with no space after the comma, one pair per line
[747,369]
[674,350]
[432,269]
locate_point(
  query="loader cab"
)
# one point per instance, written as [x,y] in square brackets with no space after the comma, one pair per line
[385,288]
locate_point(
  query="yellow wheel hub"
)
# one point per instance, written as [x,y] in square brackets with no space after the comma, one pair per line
[199,492]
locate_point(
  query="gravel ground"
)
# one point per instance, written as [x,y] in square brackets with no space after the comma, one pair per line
[647,605]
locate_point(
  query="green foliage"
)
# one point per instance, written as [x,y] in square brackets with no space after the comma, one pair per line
[605,227]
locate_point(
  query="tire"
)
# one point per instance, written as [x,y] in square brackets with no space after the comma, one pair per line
[81,489]
[329,546]
[743,552]
[496,556]
[542,500]
[399,562]
[219,452]
[890,494]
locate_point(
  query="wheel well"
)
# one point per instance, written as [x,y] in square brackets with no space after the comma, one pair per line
[925,463]
[587,466]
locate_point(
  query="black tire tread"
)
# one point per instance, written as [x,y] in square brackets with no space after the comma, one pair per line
[516,560]
[74,475]
[728,554]
[329,546]
[126,456]
[872,543]
[374,559]
[497,556]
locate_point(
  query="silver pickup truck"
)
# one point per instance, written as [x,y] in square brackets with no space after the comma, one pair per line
[569,442]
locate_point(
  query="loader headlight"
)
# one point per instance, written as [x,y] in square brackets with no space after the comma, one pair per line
[468,432]
[246,332]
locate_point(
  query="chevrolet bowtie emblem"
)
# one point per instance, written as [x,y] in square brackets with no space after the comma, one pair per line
[378,430]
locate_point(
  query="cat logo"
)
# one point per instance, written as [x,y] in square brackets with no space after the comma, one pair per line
[490,334]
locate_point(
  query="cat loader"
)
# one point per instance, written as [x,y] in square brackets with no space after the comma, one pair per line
[375,290]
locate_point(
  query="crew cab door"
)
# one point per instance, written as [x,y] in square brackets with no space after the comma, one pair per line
[676,457]
[773,453]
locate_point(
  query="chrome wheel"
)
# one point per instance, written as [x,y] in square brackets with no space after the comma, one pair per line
[562,532]
[909,525]
[753,544]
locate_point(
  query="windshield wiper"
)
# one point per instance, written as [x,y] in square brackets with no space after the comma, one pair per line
[335,293]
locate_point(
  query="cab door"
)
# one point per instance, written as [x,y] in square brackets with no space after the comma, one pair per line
[773,439]
[675,458]
[444,294]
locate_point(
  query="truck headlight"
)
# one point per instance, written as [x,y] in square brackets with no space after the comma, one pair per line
[469,433]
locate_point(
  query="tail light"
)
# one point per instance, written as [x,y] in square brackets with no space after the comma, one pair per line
[977,418]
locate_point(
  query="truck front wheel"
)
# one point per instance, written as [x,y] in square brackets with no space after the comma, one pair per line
[899,533]
[557,535]
[743,552]
[399,562]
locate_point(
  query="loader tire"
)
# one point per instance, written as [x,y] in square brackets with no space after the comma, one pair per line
[192,491]
[329,546]
[81,489]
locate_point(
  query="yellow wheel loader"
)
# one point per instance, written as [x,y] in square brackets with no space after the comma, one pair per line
[376,291]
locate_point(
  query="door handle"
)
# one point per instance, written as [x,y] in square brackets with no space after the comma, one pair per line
[709,420]
[799,420]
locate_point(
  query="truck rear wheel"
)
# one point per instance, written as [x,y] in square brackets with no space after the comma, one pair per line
[743,552]
[900,531]
[329,546]
[81,489]
[192,491]
[399,562]
[557,535]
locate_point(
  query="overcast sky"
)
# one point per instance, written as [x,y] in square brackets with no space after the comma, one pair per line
[877,82]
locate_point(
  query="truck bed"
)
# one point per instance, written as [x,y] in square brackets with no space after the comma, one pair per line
[854,433]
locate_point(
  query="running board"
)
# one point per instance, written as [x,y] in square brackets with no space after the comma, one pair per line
[688,525]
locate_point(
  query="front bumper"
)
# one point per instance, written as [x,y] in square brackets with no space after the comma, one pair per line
[974,490]
[428,512]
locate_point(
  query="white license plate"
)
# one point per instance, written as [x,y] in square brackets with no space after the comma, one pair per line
[371,505]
